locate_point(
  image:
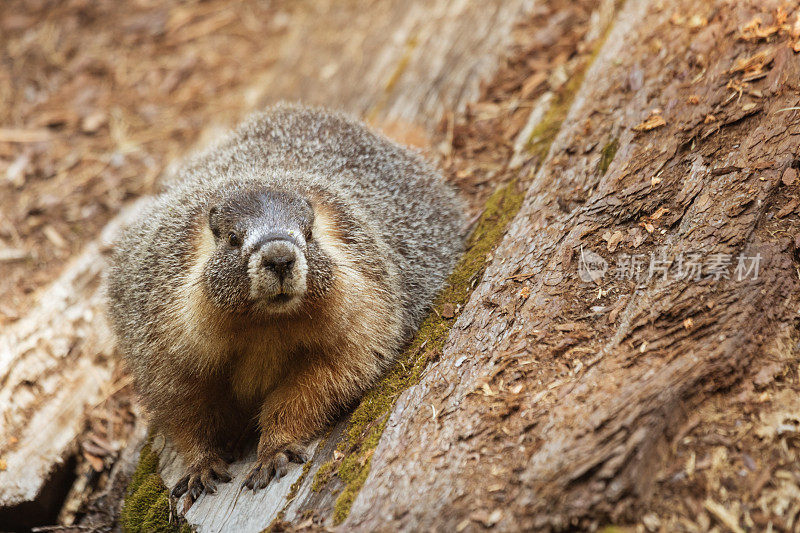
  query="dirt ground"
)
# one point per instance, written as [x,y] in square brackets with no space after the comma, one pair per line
[97,98]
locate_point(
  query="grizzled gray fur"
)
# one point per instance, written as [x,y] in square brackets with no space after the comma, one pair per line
[274,281]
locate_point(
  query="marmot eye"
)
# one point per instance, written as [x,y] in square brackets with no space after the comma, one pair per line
[234,240]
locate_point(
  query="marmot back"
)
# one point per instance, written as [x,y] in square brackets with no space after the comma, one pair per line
[275,280]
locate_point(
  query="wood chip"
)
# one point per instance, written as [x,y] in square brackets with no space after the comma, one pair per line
[494,518]
[54,236]
[15,173]
[754,63]
[655,121]
[93,122]
[754,31]
[13,254]
[789,176]
[95,462]
[17,135]
[723,515]
[767,374]
[660,212]
[788,208]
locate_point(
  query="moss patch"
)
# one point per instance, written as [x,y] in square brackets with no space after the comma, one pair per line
[296,485]
[607,156]
[545,132]
[147,507]
[323,475]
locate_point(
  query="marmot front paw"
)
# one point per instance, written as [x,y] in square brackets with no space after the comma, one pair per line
[202,475]
[276,465]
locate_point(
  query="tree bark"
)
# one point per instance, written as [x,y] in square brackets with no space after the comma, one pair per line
[554,397]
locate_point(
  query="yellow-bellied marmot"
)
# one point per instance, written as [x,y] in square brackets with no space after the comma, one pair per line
[274,281]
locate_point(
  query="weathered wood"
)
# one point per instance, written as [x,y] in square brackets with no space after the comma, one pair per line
[551,406]
[53,363]
[396,62]
[393,61]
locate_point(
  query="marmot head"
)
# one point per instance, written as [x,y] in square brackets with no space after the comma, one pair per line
[266,258]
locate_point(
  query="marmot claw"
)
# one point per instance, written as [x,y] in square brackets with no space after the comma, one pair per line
[263,471]
[202,476]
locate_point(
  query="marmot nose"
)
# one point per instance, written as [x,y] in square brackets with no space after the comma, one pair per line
[281,263]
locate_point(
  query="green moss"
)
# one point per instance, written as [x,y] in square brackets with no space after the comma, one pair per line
[323,475]
[147,506]
[148,464]
[607,156]
[296,485]
[545,132]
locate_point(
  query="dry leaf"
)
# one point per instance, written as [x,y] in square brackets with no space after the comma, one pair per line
[448,310]
[753,31]
[754,63]
[660,212]
[613,239]
[697,21]
[655,121]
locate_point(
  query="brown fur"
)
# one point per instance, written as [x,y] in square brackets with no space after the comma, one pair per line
[215,361]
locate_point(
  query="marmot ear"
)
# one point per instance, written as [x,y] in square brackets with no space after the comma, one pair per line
[213,221]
